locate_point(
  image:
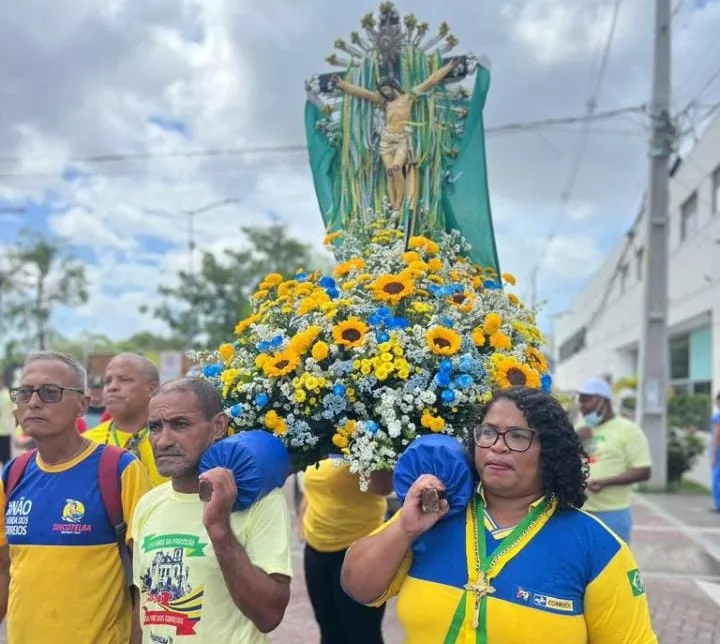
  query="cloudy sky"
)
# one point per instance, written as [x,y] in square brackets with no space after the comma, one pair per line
[92,77]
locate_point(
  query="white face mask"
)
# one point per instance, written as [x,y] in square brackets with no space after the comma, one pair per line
[595,418]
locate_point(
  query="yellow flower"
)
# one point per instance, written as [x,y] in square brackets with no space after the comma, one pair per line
[300,395]
[303,340]
[443,341]
[421,308]
[350,333]
[392,288]
[331,237]
[509,278]
[344,268]
[261,359]
[260,295]
[226,351]
[463,301]
[281,364]
[340,441]
[536,359]
[435,264]
[275,423]
[509,372]
[245,324]
[500,341]
[433,423]
[273,279]
[492,323]
[514,299]
[287,288]
[320,351]
[478,337]
[423,243]
[411,256]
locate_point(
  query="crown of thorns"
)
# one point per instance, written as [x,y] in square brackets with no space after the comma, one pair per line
[389,81]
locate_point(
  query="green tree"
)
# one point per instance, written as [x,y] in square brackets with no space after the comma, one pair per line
[205,308]
[44,274]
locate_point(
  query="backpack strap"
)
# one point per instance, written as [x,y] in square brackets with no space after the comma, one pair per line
[111,495]
[15,471]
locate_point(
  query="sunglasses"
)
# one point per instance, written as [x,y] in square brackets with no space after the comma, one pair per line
[47,393]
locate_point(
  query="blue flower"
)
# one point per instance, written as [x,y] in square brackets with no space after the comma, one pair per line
[327,282]
[261,399]
[339,389]
[434,289]
[446,365]
[301,277]
[546,383]
[397,323]
[490,284]
[212,370]
[276,341]
[383,337]
[263,345]
[456,288]
[466,363]
[375,319]
[464,381]
[371,427]
[333,293]
[443,378]
[236,410]
[448,322]
[384,312]
[448,396]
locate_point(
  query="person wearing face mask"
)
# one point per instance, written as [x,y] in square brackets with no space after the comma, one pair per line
[619,457]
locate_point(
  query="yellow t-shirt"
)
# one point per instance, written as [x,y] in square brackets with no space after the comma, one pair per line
[338,511]
[106,434]
[183,596]
[616,447]
[67,584]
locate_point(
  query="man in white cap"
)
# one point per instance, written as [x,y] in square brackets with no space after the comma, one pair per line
[619,457]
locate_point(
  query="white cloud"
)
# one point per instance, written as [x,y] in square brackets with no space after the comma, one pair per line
[572,257]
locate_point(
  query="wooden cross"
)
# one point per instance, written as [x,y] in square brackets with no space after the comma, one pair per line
[479,589]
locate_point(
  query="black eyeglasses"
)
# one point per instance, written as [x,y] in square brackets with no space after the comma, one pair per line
[516,439]
[47,393]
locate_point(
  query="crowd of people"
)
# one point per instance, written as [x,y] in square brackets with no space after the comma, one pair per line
[106,538]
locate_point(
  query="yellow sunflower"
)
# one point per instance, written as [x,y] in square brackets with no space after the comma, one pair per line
[462,301]
[537,360]
[392,288]
[423,243]
[350,333]
[492,323]
[509,372]
[245,324]
[281,364]
[227,352]
[443,341]
[478,337]
[273,279]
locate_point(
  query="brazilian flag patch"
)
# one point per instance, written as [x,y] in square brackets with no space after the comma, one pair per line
[636,584]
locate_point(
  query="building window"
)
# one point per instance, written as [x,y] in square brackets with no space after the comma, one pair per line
[688,217]
[680,357]
[623,278]
[716,191]
[639,263]
[574,344]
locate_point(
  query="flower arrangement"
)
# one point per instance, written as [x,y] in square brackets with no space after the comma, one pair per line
[387,348]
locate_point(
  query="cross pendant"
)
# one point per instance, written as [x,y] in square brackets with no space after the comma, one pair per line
[479,589]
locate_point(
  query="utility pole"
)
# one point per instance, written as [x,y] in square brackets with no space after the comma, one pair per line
[654,352]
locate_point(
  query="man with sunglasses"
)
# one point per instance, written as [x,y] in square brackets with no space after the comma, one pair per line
[130,381]
[68,582]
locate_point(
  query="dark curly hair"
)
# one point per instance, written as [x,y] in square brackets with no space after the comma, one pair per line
[563,462]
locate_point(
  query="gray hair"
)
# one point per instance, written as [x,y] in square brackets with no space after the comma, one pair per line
[78,371]
[144,365]
[206,395]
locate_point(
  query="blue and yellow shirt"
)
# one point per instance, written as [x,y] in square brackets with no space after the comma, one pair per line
[566,579]
[67,584]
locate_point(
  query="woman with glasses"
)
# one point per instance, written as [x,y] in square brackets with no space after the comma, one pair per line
[522,564]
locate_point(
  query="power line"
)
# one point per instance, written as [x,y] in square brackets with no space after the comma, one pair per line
[506,128]
[579,150]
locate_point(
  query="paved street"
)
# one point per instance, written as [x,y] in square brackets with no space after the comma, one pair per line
[677,543]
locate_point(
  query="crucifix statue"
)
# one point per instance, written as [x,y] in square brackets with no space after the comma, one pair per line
[395,143]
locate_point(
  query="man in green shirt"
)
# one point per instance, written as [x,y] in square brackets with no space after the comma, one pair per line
[619,457]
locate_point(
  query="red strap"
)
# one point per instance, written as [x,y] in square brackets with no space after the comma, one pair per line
[16,470]
[109,483]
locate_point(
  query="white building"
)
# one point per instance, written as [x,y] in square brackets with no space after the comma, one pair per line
[600,333]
